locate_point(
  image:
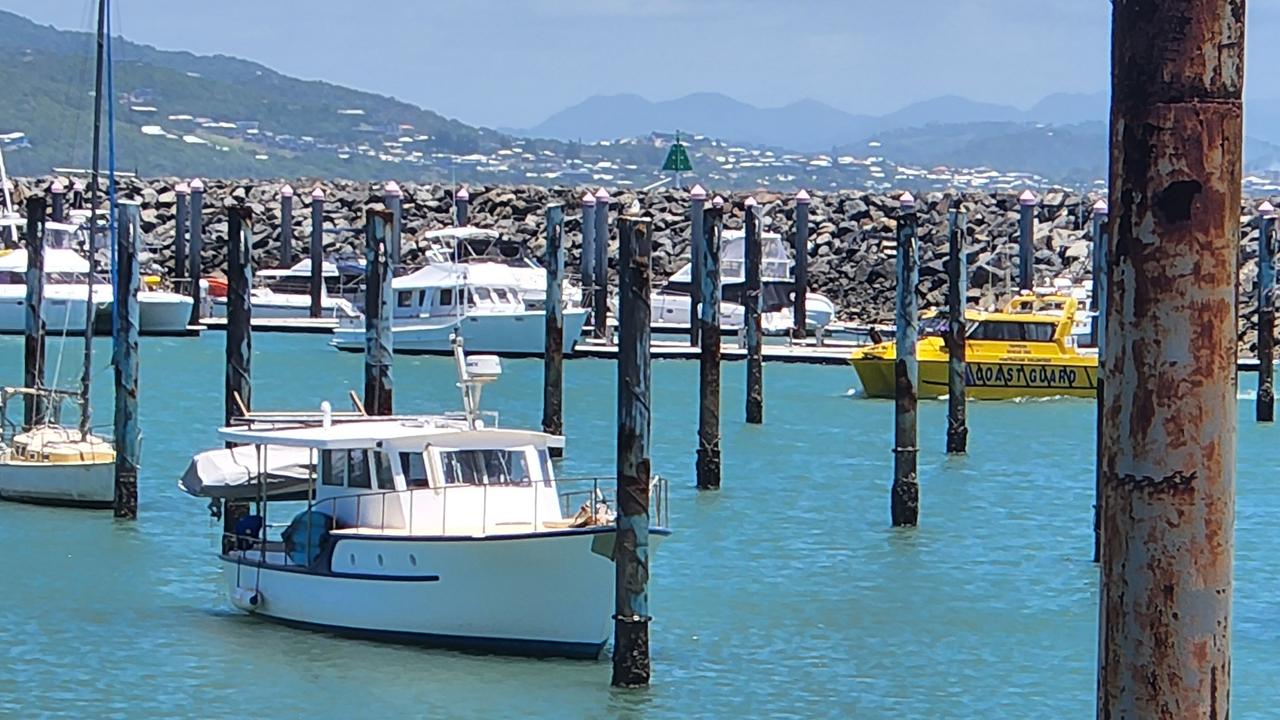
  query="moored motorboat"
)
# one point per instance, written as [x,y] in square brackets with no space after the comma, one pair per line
[285,293]
[1026,350]
[443,530]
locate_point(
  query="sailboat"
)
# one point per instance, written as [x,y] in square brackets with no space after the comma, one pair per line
[41,459]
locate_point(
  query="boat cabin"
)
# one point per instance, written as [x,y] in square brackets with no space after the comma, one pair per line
[296,280]
[449,290]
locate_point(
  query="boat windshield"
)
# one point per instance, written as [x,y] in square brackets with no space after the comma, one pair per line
[934,327]
[1008,330]
[485,467]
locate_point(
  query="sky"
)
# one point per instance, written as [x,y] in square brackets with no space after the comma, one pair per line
[512,63]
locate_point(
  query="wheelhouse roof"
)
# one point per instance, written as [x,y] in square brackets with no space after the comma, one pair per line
[447,275]
[391,434]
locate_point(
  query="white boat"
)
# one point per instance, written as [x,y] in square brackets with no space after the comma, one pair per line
[671,303]
[50,464]
[479,302]
[440,530]
[65,288]
[471,245]
[162,312]
[286,293]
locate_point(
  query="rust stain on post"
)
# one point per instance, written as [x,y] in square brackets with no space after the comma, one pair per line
[1169,408]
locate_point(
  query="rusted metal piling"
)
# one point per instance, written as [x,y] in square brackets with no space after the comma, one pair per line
[957,303]
[182,207]
[631,548]
[461,207]
[124,360]
[196,246]
[553,350]
[708,249]
[904,504]
[587,258]
[600,298]
[697,208]
[379,268]
[57,202]
[799,306]
[1169,436]
[393,198]
[1265,405]
[237,388]
[286,226]
[34,338]
[751,315]
[1101,241]
[1026,240]
[316,252]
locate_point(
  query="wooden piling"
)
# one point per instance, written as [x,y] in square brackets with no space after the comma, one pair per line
[379,269]
[799,303]
[393,197]
[182,209]
[697,208]
[34,407]
[1265,402]
[196,247]
[286,226]
[553,352]
[124,359]
[905,496]
[316,285]
[957,303]
[1101,252]
[708,249]
[237,388]
[631,548]
[600,300]
[1170,406]
[587,259]
[1026,239]
[462,207]
[58,202]
[751,315]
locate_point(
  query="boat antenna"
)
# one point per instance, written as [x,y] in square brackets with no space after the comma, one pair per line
[85,376]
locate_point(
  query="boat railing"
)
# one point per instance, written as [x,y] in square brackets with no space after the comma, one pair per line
[416,512]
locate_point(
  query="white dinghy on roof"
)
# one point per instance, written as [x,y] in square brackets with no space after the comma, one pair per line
[444,530]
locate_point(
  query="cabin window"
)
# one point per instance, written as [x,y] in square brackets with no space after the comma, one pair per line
[9,277]
[333,468]
[422,298]
[382,467]
[446,297]
[358,470]
[482,293]
[501,294]
[414,469]
[485,467]
[345,467]
[1013,331]
[404,298]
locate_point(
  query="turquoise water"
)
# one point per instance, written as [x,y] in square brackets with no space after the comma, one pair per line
[785,594]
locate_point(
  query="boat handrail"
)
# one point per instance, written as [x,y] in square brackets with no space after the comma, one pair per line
[596,509]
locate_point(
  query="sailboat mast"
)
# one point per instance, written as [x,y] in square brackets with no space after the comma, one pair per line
[86,371]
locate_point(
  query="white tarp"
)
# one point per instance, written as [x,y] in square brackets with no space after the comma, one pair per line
[233,472]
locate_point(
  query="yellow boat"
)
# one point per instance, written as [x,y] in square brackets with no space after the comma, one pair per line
[1025,350]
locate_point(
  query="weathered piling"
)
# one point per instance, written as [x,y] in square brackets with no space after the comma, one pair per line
[461,207]
[751,315]
[286,226]
[1026,239]
[379,268]
[1101,241]
[587,259]
[957,303]
[237,388]
[553,350]
[124,360]
[631,547]
[799,305]
[316,251]
[181,203]
[196,246]
[34,338]
[1169,440]
[905,496]
[708,249]
[1265,404]
[392,198]
[57,202]
[697,206]
[600,301]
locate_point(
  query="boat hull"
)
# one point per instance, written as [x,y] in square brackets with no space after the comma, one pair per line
[63,313]
[545,593]
[88,484]
[996,380]
[521,334]
[163,313]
